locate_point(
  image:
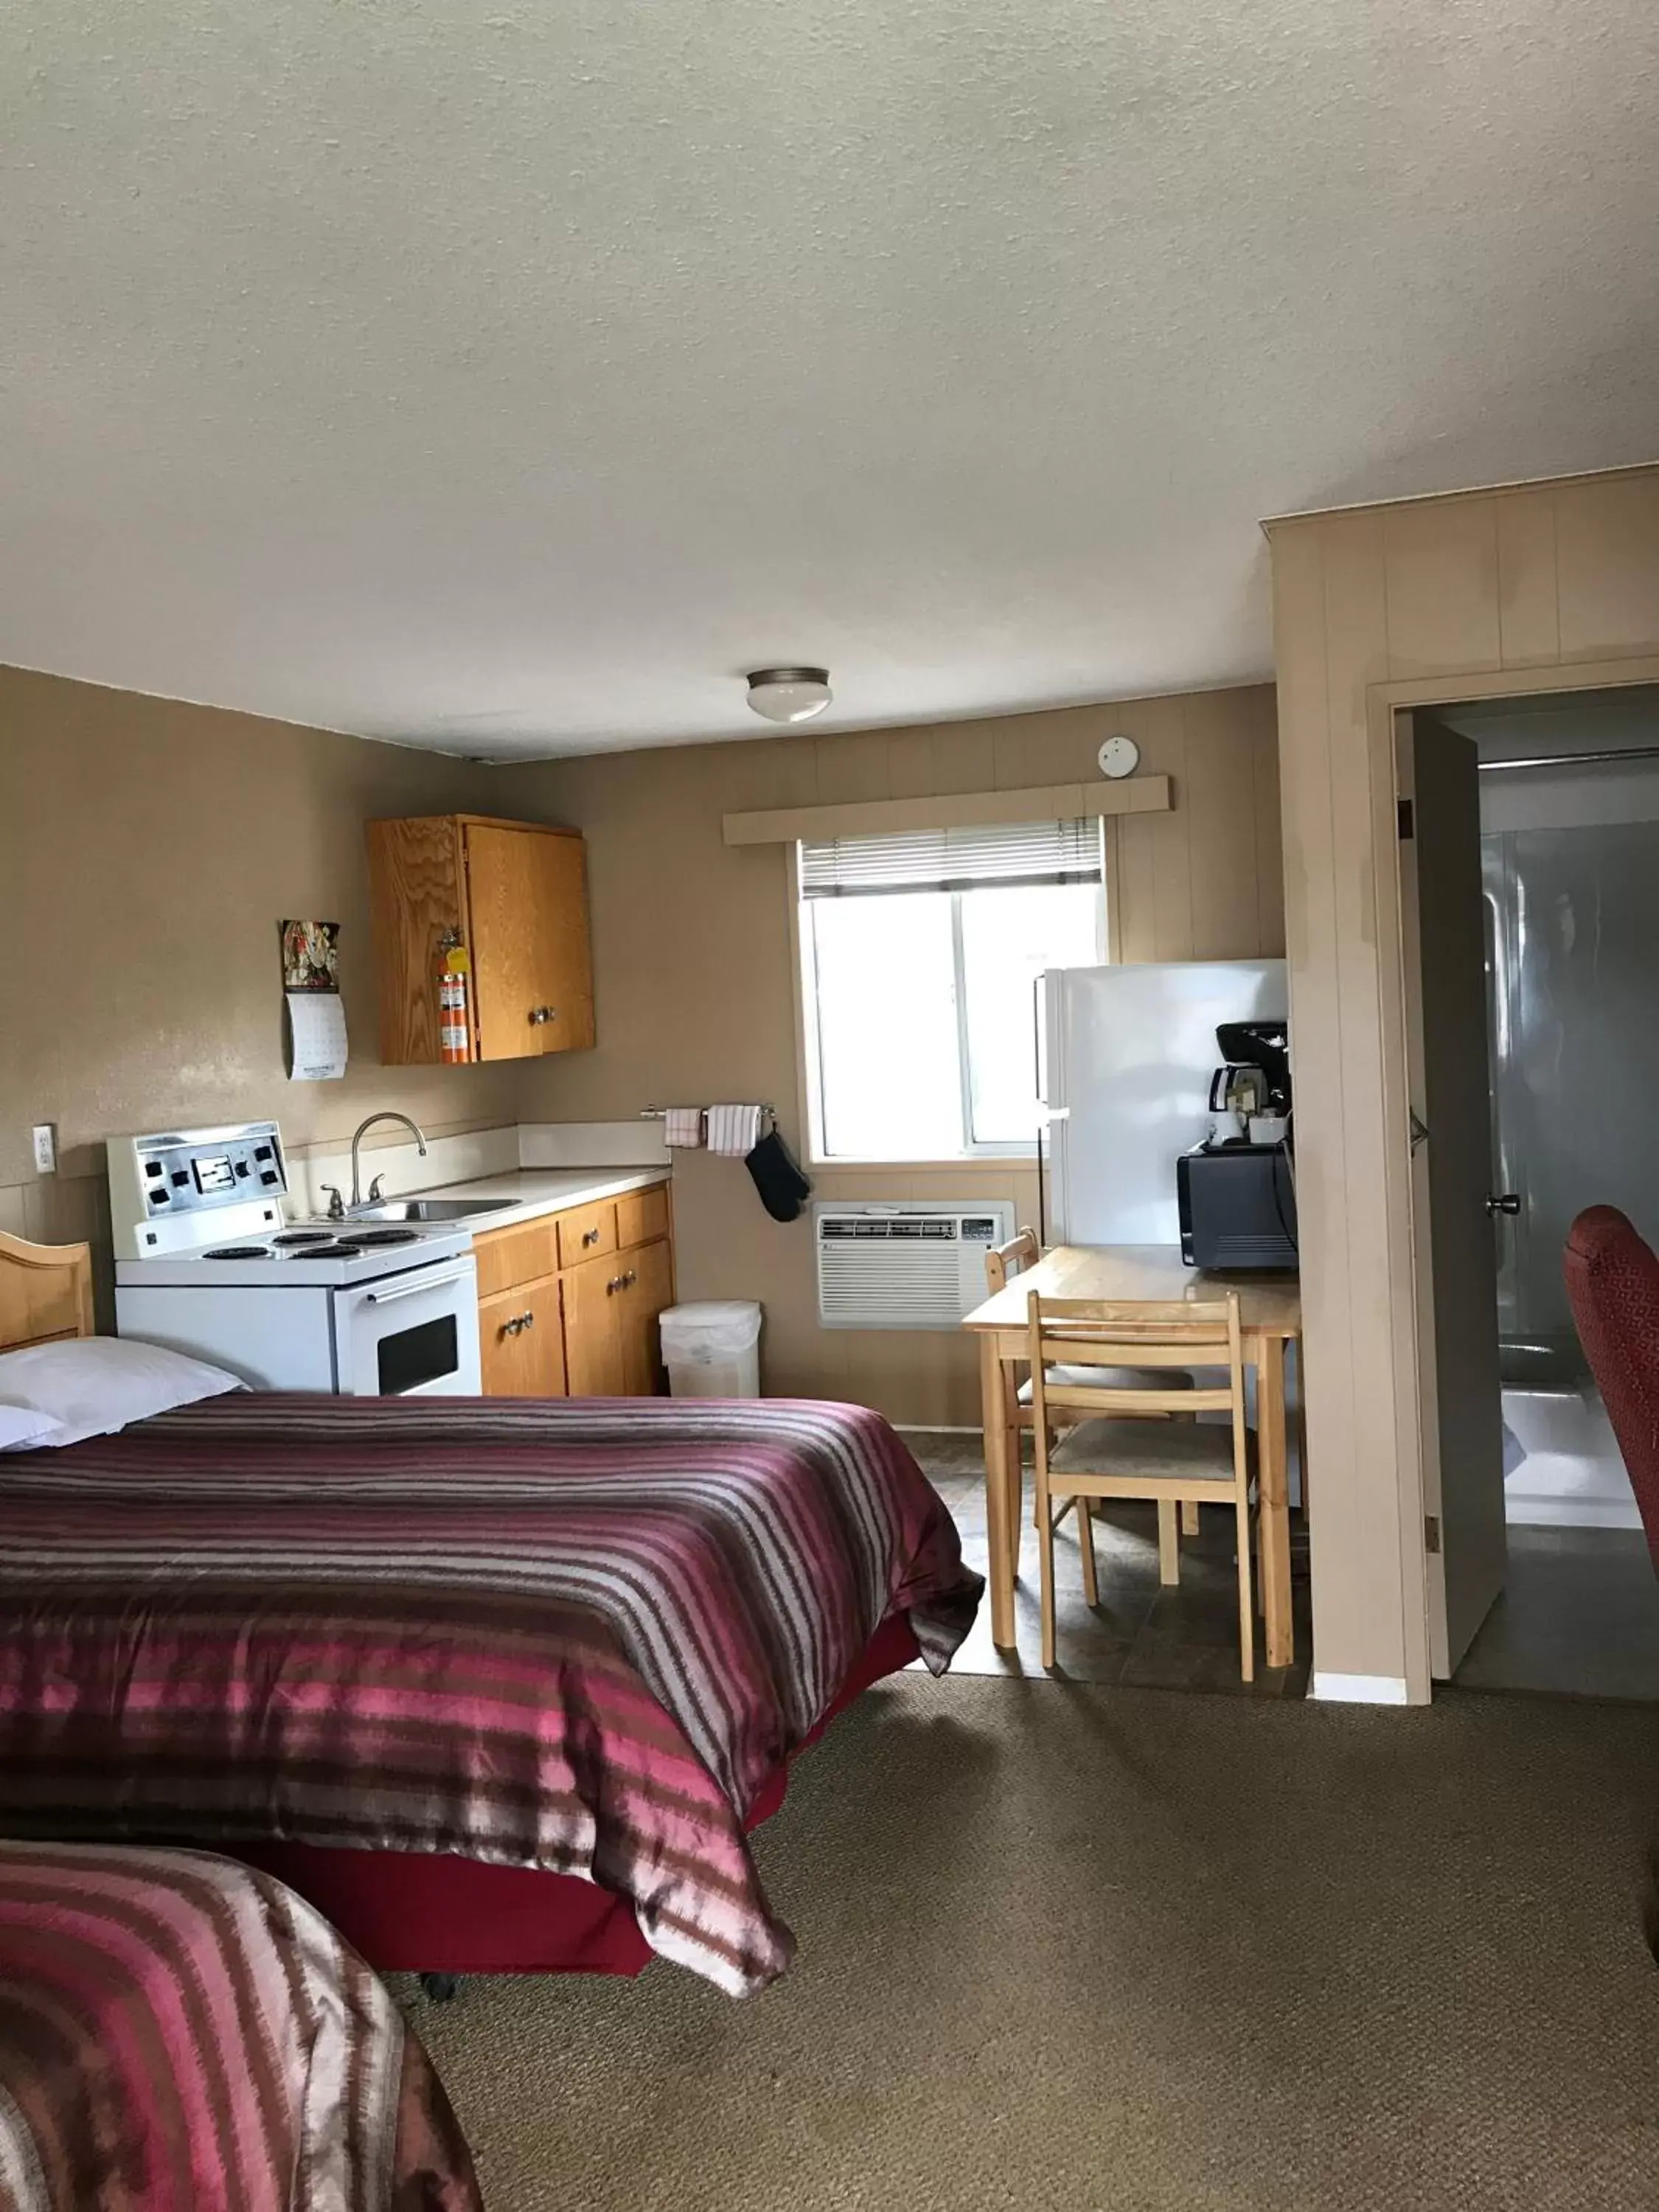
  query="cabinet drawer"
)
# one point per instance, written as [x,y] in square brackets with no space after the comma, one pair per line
[641,1216]
[507,1257]
[586,1233]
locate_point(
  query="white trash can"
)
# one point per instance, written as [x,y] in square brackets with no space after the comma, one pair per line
[712,1351]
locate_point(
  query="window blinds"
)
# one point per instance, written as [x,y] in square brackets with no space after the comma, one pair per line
[955,859]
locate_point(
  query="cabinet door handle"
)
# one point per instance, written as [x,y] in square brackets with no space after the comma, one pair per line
[590,1237]
[540,1014]
[629,1280]
[511,1328]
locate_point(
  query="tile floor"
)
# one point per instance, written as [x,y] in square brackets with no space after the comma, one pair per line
[1579,1617]
[1562,1465]
[1141,1634]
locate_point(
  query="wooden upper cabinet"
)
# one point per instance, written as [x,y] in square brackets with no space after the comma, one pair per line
[530,949]
[517,893]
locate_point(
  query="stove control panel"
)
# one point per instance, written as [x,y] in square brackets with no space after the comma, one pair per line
[160,1186]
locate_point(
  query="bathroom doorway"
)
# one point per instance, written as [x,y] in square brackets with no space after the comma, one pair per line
[1568,791]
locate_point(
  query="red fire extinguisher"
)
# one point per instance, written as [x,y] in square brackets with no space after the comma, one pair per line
[454,1018]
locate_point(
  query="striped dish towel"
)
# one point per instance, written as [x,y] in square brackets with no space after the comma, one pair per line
[734,1130]
[683,1127]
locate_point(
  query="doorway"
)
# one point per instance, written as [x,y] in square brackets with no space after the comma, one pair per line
[1536,824]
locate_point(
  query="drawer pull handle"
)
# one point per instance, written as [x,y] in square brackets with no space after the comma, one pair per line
[539,1015]
[590,1237]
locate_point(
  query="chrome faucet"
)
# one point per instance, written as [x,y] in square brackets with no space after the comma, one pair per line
[414,1130]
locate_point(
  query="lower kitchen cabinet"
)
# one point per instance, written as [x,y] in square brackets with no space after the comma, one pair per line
[593,1366]
[647,1287]
[550,1328]
[521,1342]
[610,1311]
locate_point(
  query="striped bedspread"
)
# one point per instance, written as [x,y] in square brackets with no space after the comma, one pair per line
[577,1635]
[178,2033]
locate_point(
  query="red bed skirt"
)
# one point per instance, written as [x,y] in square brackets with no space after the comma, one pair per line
[433,1912]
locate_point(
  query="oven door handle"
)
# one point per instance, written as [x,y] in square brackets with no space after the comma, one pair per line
[412,1289]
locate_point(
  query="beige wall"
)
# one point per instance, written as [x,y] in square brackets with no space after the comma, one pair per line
[695,983]
[1531,589]
[147,851]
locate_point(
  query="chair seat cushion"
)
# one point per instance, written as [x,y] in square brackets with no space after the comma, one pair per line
[1110,1378]
[1200,1449]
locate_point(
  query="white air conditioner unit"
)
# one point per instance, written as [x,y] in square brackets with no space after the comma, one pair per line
[905,1266]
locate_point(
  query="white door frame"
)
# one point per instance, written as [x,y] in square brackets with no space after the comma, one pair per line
[1418,1427]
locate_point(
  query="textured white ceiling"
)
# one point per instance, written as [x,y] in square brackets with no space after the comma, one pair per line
[510,375]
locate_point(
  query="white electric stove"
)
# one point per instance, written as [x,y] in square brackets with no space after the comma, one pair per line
[208,1262]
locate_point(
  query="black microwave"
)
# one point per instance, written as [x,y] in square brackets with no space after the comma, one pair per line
[1237,1206]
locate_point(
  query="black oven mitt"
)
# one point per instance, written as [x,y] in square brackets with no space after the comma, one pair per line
[780,1183]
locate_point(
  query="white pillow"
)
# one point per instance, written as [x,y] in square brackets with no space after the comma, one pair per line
[90,1385]
[22,1428]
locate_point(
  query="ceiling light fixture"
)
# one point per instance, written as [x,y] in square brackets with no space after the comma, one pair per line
[789,695]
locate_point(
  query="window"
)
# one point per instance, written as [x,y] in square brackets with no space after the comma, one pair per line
[920,954]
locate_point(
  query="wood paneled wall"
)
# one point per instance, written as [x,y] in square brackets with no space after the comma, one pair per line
[1206,880]
[1537,588]
[696,988]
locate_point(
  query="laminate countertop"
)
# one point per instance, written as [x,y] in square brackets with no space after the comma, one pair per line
[537,1191]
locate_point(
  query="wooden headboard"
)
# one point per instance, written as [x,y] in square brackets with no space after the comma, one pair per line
[45,1292]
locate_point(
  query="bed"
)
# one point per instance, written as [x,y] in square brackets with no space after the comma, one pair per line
[496,1683]
[177,2030]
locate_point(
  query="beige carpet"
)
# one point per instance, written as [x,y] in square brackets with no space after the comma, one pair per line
[1074,1947]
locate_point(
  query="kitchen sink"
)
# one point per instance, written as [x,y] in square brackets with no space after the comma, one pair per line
[429,1209]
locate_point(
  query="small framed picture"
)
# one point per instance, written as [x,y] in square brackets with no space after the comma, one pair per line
[311,956]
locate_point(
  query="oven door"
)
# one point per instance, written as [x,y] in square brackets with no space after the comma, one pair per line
[411,1335]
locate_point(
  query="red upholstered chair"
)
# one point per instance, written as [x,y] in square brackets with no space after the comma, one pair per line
[1613,1286]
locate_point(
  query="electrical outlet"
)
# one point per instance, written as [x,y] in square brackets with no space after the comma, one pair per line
[45,1148]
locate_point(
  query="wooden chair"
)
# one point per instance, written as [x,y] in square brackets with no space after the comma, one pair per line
[1114,1451]
[1020,1252]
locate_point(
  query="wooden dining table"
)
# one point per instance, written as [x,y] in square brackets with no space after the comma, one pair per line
[1270,1315]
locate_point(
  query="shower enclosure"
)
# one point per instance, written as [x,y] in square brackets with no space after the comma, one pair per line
[1573,945]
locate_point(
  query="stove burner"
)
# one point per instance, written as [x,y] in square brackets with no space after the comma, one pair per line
[304,1236]
[345,1250]
[367,1237]
[236,1252]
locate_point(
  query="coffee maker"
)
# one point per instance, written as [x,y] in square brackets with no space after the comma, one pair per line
[1236,1191]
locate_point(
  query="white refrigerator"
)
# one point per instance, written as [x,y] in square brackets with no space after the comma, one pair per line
[1125,1059]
